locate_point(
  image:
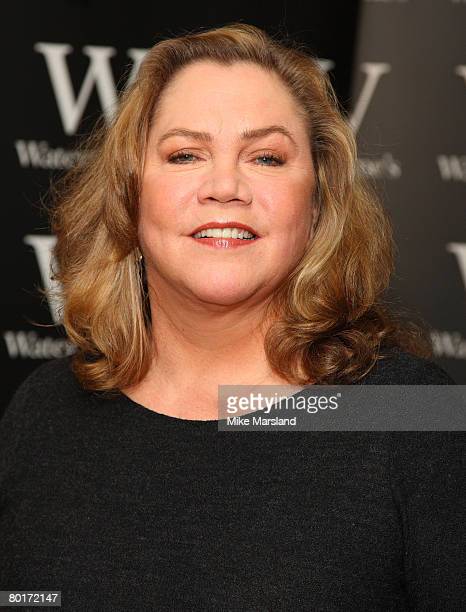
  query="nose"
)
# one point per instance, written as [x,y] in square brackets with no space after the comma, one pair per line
[224,183]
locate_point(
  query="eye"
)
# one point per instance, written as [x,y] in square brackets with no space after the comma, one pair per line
[276,159]
[180,157]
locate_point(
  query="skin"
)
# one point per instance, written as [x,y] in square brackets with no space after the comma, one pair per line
[208,304]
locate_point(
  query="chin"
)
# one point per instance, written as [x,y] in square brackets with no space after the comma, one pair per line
[226,294]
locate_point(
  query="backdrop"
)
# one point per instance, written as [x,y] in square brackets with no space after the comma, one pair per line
[398,68]
[408,100]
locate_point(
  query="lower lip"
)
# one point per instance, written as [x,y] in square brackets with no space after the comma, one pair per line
[224,243]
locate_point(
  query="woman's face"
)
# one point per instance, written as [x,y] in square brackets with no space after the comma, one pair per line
[265,181]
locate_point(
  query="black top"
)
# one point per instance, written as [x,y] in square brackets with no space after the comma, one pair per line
[124,508]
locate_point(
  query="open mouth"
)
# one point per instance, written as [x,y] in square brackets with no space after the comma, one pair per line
[225,238]
[225,233]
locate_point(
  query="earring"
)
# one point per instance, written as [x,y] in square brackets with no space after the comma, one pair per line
[138,254]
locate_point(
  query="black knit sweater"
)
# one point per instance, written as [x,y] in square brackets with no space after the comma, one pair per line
[123,508]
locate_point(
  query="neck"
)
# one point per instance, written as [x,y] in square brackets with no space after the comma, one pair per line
[196,342]
[199,346]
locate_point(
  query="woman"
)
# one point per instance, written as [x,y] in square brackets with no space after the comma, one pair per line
[117,487]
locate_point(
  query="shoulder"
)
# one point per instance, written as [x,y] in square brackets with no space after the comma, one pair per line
[397,367]
[22,418]
[45,378]
[44,386]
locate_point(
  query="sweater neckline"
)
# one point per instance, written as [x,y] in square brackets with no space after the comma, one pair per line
[167,418]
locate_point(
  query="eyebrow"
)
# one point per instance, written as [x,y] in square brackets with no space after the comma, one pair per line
[245,135]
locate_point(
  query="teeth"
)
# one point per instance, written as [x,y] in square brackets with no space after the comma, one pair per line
[226,232]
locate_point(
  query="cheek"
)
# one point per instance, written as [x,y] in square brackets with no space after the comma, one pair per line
[290,213]
[159,203]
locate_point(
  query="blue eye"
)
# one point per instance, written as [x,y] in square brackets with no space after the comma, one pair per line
[178,157]
[183,157]
[274,158]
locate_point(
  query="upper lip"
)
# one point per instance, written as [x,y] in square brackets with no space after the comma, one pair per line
[215,225]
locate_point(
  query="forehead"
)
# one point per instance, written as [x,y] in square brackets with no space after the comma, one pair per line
[214,92]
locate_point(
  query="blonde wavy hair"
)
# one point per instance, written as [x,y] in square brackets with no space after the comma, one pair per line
[329,322]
